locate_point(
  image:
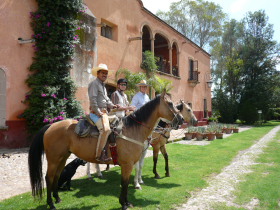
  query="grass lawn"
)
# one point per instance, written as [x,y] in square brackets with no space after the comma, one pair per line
[263,184]
[190,166]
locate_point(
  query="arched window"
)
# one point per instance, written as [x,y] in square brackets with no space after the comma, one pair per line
[146,39]
[162,51]
[175,66]
[2,98]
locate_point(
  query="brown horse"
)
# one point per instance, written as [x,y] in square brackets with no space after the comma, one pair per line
[159,139]
[59,140]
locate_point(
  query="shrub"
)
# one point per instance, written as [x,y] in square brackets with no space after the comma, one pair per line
[52,91]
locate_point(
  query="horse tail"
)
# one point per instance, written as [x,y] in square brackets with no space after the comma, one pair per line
[35,158]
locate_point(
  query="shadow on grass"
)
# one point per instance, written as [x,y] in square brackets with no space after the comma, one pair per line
[110,186]
[44,207]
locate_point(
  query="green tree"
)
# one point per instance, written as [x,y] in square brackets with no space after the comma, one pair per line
[201,21]
[52,91]
[226,68]
[259,55]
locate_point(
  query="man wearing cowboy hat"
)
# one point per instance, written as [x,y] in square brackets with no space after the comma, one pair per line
[141,97]
[99,102]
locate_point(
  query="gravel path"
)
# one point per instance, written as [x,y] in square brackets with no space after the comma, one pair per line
[221,187]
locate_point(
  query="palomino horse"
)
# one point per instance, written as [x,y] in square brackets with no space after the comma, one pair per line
[158,142]
[59,140]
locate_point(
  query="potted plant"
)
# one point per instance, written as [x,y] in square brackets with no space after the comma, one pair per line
[227,129]
[235,128]
[189,133]
[211,132]
[219,131]
[200,133]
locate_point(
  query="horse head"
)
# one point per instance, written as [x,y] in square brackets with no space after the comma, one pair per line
[169,112]
[187,112]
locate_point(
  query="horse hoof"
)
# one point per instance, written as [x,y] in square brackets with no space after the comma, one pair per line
[157,177]
[138,187]
[52,208]
[167,175]
[126,206]
[58,201]
[90,178]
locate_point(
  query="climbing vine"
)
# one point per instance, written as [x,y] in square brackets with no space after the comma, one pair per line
[52,91]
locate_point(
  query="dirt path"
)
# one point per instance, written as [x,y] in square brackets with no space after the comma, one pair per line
[221,187]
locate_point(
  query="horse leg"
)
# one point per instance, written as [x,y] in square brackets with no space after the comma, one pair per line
[49,181]
[108,167]
[56,178]
[126,170]
[141,165]
[88,171]
[155,159]
[136,180]
[98,171]
[165,155]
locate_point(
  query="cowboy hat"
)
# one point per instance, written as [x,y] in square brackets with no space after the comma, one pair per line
[142,83]
[101,66]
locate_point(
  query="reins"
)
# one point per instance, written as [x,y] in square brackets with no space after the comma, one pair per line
[139,122]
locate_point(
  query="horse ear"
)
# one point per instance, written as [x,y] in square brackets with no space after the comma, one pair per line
[181,101]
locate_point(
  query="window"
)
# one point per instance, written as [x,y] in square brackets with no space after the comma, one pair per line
[109,30]
[2,98]
[193,70]
[205,111]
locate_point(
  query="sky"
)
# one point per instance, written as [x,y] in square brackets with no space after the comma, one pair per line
[236,9]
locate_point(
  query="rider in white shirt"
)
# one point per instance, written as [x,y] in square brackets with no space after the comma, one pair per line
[141,97]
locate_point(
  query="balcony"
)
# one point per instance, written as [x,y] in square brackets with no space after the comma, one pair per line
[163,66]
[193,78]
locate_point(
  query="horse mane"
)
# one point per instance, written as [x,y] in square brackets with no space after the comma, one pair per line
[142,114]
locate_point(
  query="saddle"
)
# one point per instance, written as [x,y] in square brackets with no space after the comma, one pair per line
[86,128]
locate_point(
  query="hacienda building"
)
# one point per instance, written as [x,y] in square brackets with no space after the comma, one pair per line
[115,32]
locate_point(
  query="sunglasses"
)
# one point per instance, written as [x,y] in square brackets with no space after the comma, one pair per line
[123,85]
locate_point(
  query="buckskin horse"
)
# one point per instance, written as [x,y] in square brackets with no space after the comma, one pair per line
[159,139]
[59,140]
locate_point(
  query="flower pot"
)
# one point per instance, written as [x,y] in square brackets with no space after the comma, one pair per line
[235,130]
[188,136]
[219,135]
[194,135]
[199,136]
[227,130]
[210,136]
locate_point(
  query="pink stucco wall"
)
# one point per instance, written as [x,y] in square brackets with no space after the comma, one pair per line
[124,54]
[15,60]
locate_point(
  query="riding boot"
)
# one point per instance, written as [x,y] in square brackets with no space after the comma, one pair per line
[102,139]
[103,157]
